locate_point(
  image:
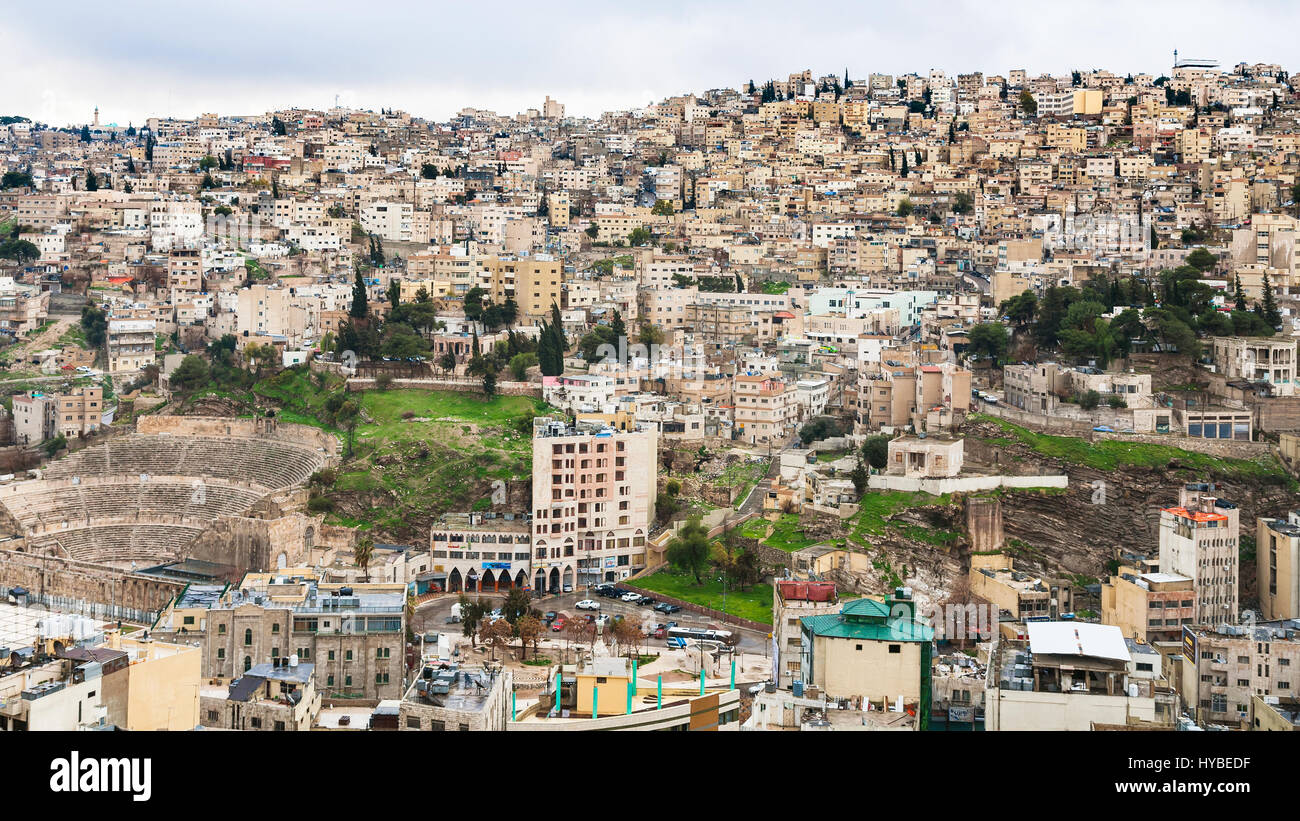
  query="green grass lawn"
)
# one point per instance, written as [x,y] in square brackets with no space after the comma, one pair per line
[1108,454]
[754,604]
[787,535]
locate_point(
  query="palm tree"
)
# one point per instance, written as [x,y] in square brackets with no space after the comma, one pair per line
[362,553]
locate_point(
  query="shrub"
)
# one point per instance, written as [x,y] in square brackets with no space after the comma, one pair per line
[1117,401]
[320,504]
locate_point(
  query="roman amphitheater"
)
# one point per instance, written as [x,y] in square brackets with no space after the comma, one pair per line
[226,491]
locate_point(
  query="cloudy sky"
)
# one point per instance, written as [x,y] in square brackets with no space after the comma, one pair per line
[138,59]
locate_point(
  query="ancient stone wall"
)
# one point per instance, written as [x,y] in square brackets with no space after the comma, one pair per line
[229,426]
[57,576]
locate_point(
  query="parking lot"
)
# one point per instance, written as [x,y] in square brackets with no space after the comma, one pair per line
[432,617]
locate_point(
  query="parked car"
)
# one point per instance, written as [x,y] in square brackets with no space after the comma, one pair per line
[588,604]
[646,601]
[1104,429]
[568,588]
[659,632]
[667,608]
[558,624]
[549,617]
[630,597]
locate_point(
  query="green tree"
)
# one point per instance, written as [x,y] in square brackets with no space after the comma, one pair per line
[1238,294]
[689,549]
[876,451]
[1202,260]
[662,208]
[520,363]
[94,325]
[489,384]
[363,552]
[904,205]
[1268,305]
[515,607]
[1028,104]
[19,250]
[360,304]
[989,339]
[191,374]
[1021,308]
[639,236]
[860,477]
[16,179]
[92,182]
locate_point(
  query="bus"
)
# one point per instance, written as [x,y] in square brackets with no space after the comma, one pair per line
[700,634]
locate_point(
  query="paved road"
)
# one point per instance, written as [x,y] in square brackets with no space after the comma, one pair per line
[432,616]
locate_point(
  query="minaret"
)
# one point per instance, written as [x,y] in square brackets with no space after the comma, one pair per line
[96,116]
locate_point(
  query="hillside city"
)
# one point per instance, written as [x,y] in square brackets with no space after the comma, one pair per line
[825,402]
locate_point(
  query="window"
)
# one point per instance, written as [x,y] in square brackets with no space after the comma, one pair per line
[213,715]
[347,655]
[382,652]
[381,678]
[859,647]
[895,648]
[248,637]
[221,653]
[275,628]
[331,655]
[437,726]
[279,726]
[221,629]
[189,619]
[248,663]
[255,723]
[412,723]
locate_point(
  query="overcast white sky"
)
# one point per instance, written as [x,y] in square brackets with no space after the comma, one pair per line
[138,59]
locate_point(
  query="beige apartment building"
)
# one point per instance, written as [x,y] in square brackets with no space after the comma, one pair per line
[1224,667]
[1148,606]
[593,501]
[767,408]
[993,577]
[1258,359]
[131,345]
[1277,555]
[1199,540]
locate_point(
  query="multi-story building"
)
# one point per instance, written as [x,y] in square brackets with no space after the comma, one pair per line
[593,501]
[767,408]
[1258,359]
[1224,667]
[482,552]
[1073,675]
[354,634]
[1277,556]
[872,651]
[1199,540]
[131,344]
[1148,606]
[792,600]
[449,698]
[277,696]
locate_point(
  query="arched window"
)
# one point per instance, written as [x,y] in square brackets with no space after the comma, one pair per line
[248,662]
[248,637]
